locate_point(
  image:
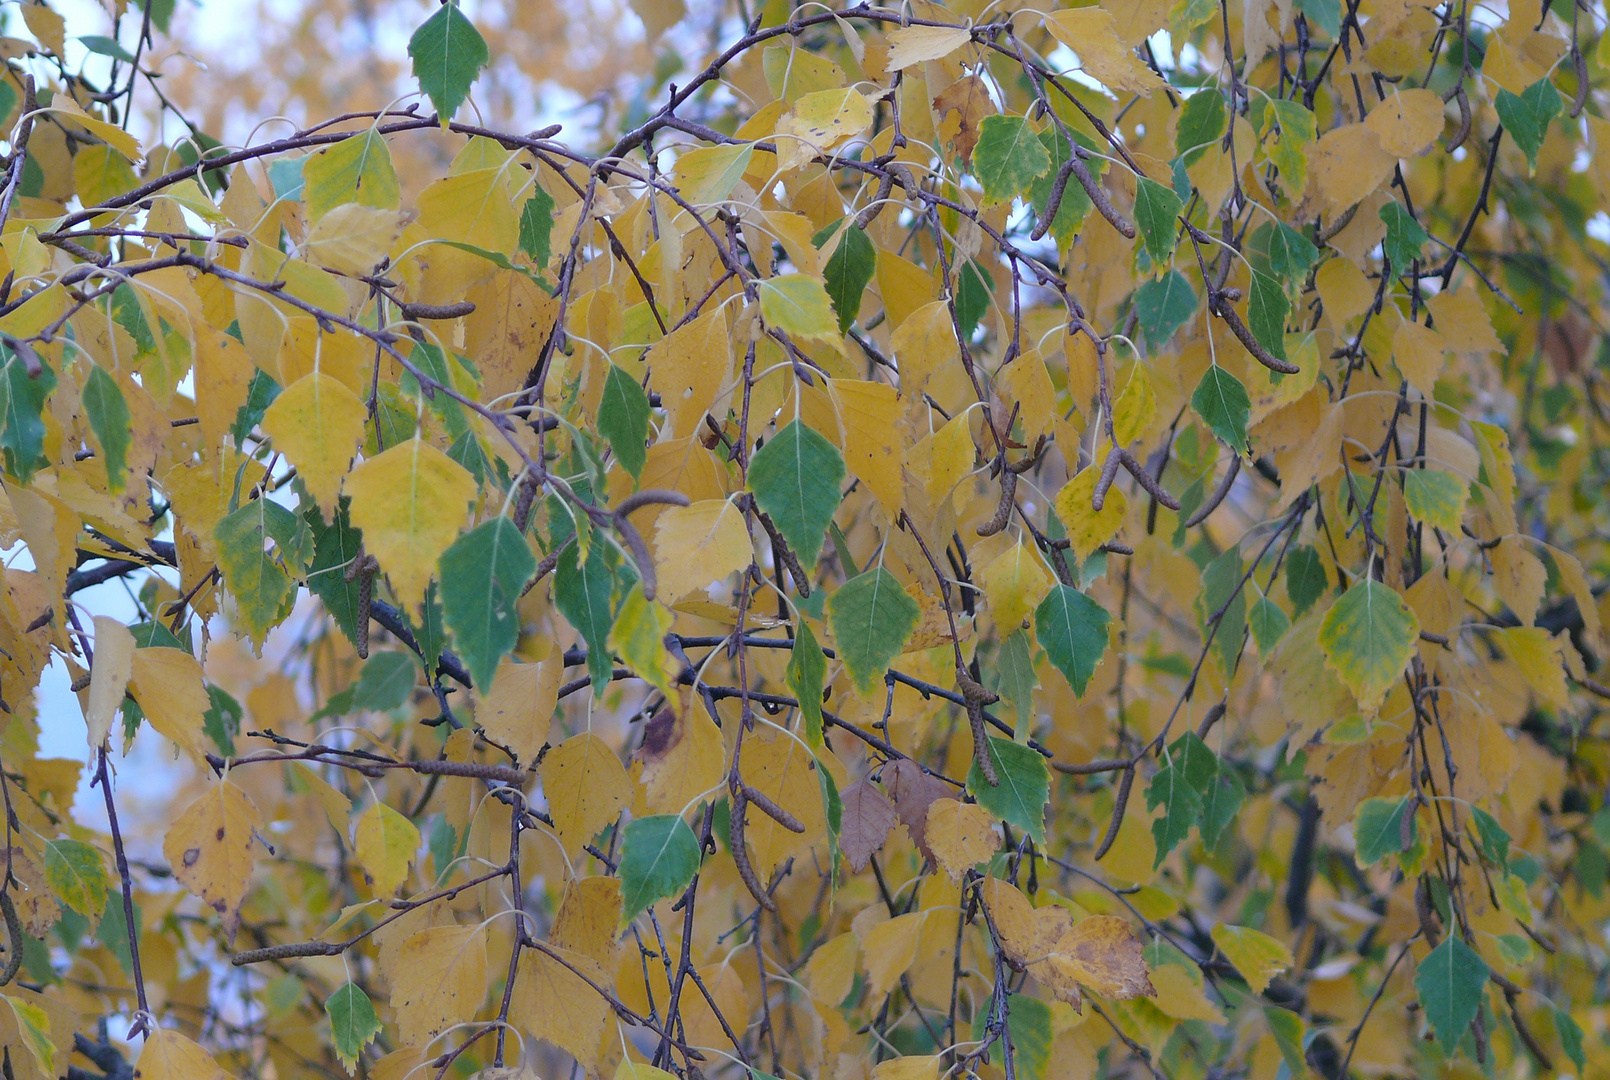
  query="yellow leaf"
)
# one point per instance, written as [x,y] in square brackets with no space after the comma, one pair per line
[209,848]
[1346,165]
[337,807]
[871,415]
[1181,997]
[352,238]
[588,918]
[912,45]
[890,948]
[698,544]
[111,134]
[505,333]
[1418,352]
[386,843]
[1093,33]
[108,677]
[1539,659]
[50,528]
[689,367]
[946,457]
[1089,528]
[819,122]
[409,502]
[1519,578]
[167,1055]
[923,343]
[471,208]
[317,423]
[1104,954]
[1014,582]
[167,684]
[1133,412]
[587,788]
[46,25]
[518,708]
[100,173]
[33,1031]
[1257,956]
[907,1068]
[960,835]
[554,1004]
[1026,381]
[831,971]
[682,756]
[223,376]
[439,978]
[1407,121]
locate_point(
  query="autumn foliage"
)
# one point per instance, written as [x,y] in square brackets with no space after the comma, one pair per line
[909,542]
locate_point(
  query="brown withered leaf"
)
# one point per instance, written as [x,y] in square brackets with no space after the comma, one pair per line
[914,792]
[1103,954]
[969,99]
[868,818]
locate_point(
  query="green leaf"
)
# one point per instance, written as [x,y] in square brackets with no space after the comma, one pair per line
[76,873]
[1451,980]
[1014,678]
[481,578]
[387,681]
[113,929]
[102,45]
[659,856]
[255,570]
[848,271]
[1378,829]
[1162,307]
[623,414]
[1157,210]
[1024,789]
[1202,119]
[1219,788]
[806,673]
[22,402]
[871,617]
[1327,15]
[1029,1025]
[1404,237]
[1367,637]
[798,304]
[109,418]
[1009,156]
[795,478]
[448,53]
[582,593]
[536,226]
[355,170]
[1266,314]
[1075,204]
[1172,791]
[1570,1034]
[1290,254]
[973,289]
[1222,402]
[1072,628]
[221,721]
[1436,498]
[1224,594]
[334,547]
[1526,115]
[1494,838]
[1289,1032]
[1269,624]
[1306,580]
[353,1023]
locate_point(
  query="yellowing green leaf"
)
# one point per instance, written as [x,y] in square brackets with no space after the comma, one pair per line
[1256,955]
[317,423]
[1367,637]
